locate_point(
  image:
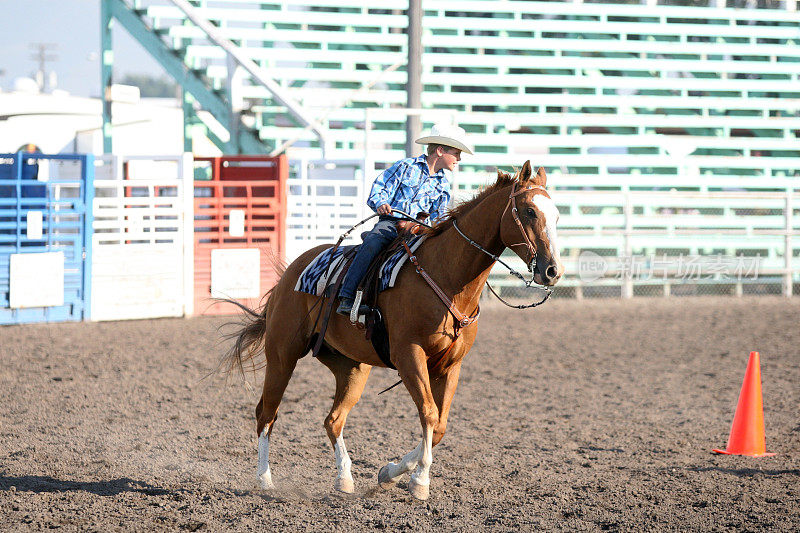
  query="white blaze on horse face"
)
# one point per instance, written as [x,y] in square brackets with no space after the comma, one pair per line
[550,211]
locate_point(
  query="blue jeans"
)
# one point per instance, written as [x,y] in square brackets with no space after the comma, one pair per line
[375,240]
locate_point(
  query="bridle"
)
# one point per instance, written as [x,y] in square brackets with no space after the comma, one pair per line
[515,213]
[526,241]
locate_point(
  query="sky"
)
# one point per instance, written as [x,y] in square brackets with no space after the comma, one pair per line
[74,27]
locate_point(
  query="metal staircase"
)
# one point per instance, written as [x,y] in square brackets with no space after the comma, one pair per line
[223,102]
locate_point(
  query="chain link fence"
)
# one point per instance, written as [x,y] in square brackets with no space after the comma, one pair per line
[632,245]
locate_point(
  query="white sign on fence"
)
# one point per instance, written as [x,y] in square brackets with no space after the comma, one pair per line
[235,273]
[36,280]
[236,223]
[34,224]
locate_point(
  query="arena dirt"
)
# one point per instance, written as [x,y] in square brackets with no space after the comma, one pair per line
[593,415]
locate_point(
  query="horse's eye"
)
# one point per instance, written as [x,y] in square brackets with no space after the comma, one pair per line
[531,212]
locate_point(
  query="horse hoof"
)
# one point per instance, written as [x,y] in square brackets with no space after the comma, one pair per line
[265,481]
[384,480]
[345,485]
[420,492]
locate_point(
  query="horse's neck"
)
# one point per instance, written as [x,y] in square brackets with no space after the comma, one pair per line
[459,268]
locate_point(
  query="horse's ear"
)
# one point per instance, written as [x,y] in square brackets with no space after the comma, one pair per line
[540,178]
[525,172]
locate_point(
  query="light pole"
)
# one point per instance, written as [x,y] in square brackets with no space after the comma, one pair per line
[414,72]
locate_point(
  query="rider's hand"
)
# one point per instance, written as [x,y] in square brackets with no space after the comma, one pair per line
[384,209]
[407,226]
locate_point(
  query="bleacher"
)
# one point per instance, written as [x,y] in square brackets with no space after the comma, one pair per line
[546,75]
[613,98]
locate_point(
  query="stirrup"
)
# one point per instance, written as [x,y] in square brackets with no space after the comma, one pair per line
[356,307]
[347,312]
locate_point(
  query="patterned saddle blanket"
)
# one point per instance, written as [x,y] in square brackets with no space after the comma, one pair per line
[326,268]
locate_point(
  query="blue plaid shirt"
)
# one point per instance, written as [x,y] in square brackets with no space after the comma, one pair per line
[408,186]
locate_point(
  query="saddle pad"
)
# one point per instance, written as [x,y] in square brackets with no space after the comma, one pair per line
[326,268]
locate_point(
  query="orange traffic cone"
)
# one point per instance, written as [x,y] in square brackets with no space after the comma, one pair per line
[747,430]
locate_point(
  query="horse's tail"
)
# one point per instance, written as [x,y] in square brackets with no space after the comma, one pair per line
[250,332]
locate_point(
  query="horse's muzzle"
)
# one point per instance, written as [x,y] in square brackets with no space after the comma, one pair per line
[548,278]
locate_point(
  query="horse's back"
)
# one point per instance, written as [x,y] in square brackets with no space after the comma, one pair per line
[285,287]
[296,267]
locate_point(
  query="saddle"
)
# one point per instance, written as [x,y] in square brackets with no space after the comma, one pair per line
[367,295]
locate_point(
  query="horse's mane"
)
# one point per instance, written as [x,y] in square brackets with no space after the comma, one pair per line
[503,180]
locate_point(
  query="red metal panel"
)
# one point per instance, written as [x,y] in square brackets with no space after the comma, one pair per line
[256,185]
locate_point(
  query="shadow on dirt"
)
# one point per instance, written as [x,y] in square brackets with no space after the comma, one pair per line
[100,488]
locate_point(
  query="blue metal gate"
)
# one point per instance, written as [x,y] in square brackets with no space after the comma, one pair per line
[45,209]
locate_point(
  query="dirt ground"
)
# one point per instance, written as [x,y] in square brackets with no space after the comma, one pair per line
[578,415]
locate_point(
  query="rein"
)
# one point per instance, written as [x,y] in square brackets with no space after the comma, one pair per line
[528,283]
[527,242]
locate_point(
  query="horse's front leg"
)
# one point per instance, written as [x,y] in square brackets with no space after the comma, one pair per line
[444,388]
[414,373]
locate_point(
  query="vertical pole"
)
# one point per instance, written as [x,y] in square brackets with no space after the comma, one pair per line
[627,284]
[88,231]
[18,161]
[312,224]
[787,245]
[106,70]
[186,169]
[283,185]
[369,164]
[414,71]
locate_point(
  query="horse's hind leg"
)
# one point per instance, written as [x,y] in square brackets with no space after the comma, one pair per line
[280,362]
[350,380]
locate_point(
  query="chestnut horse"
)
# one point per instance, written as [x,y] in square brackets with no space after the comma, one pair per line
[515,212]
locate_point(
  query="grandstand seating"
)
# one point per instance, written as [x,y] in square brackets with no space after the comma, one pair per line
[568,82]
[606,95]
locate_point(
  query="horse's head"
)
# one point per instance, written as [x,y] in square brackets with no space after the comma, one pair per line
[528,225]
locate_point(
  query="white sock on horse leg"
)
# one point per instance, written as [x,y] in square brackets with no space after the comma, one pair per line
[421,475]
[264,474]
[344,478]
[408,462]
[343,462]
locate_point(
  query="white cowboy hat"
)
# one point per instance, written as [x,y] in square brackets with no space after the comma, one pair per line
[447,135]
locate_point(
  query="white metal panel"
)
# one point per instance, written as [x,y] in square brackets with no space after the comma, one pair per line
[142,263]
[325,198]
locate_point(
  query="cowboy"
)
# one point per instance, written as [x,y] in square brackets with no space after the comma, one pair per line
[417,186]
